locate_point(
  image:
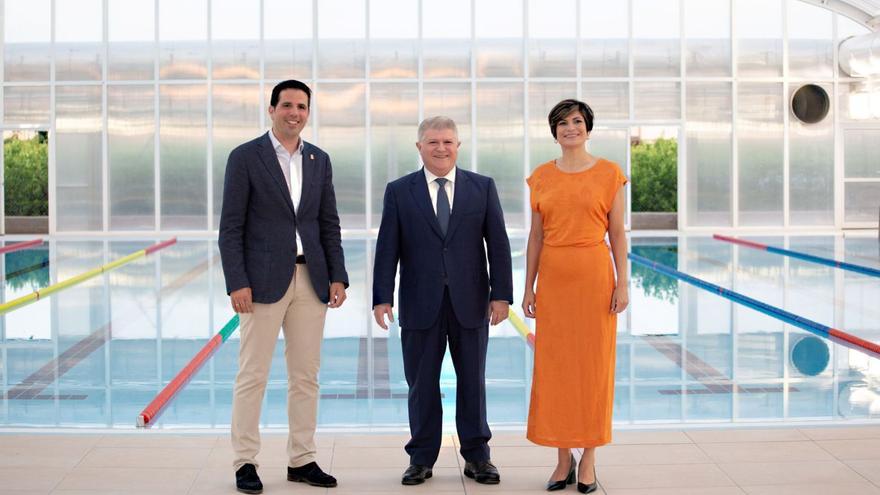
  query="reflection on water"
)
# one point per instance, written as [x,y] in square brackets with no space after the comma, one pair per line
[97,353]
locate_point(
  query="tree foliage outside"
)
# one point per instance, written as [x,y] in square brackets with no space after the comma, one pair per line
[656,284]
[655,176]
[26,174]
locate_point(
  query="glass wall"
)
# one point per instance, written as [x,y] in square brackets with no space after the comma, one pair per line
[144,99]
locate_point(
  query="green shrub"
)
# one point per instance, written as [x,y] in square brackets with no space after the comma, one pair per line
[655,176]
[26,169]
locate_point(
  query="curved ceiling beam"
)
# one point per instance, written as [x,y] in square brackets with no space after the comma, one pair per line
[859,11]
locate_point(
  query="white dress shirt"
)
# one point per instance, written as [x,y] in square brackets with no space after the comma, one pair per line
[434,187]
[291,167]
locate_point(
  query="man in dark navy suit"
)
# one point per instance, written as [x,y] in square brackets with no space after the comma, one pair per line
[282,258]
[439,224]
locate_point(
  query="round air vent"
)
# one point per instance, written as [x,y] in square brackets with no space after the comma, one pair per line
[810,103]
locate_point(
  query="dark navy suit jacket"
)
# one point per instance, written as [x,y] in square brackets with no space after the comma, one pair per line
[410,234]
[257,238]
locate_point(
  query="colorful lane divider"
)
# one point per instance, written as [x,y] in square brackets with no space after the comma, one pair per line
[46,291]
[819,329]
[521,327]
[843,265]
[18,246]
[148,416]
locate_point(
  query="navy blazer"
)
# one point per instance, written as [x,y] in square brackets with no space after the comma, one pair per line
[410,234]
[257,238]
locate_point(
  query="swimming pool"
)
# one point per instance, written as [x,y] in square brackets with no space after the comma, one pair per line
[94,355]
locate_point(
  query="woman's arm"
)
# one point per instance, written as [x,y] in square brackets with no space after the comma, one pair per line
[533,254]
[617,236]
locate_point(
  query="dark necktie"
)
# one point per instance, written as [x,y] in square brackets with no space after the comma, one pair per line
[442,205]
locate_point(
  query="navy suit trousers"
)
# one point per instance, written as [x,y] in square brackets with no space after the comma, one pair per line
[423,352]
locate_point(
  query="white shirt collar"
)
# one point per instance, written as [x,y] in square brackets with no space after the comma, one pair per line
[276,143]
[450,176]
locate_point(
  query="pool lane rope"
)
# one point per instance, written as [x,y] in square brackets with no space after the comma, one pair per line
[66,284]
[148,416]
[20,245]
[843,265]
[522,328]
[819,329]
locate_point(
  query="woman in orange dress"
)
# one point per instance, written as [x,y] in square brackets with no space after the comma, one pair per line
[576,199]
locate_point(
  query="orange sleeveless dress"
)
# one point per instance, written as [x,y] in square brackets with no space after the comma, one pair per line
[576,332]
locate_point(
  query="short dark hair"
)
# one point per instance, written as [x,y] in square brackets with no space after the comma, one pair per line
[289,84]
[565,107]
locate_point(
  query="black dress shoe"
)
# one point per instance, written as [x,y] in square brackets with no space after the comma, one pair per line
[482,472]
[311,474]
[552,486]
[247,481]
[416,475]
[589,487]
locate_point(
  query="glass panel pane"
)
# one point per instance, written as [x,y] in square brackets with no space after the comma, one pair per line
[656,32]
[846,28]
[552,39]
[604,38]
[183,156]
[446,38]
[811,157]
[78,36]
[130,150]
[26,104]
[393,38]
[454,101]
[611,144]
[759,37]
[859,100]
[760,153]
[657,100]
[500,144]
[609,100]
[707,33]
[235,39]
[542,98]
[78,158]
[343,136]
[394,119]
[288,53]
[131,35]
[708,153]
[183,31]
[809,40]
[860,158]
[26,34]
[499,29]
[862,202]
[341,49]
[236,119]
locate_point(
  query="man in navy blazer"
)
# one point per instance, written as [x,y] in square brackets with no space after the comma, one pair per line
[281,248]
[440,224]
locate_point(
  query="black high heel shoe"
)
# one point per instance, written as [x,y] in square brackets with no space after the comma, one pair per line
[552,486]
[589,487]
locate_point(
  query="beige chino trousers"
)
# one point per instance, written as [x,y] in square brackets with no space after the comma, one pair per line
[301,315]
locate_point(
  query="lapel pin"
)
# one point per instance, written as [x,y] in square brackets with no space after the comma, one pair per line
[311,156]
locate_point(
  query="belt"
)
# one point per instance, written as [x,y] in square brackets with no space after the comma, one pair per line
[300,260]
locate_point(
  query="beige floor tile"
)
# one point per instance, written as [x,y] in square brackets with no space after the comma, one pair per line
[765,452]
[852,449]
[649,437]
[279,436]
[868,469]
[150,439]
[219,481]
[703,490]
[39,457]
[379,440]
[507,457]
[222,457]
[663,476]
[385,457]
[521,480]
[789,473]
[101,457]
[387,480]
[510,439]
[45,442]
[814,489]
[34,479]
[121,480]
[842,433]
[743,435]
[627,455]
